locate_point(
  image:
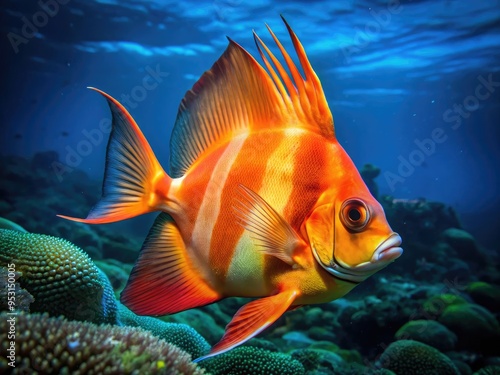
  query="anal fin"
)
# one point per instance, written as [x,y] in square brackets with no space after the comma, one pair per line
[163,280]
[252,319]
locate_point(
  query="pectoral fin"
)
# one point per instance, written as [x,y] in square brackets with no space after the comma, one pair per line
[252,319]
[272,233]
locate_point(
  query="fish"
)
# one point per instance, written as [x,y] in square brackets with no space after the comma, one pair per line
[260,199]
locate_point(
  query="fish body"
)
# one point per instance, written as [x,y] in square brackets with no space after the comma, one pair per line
[260,200]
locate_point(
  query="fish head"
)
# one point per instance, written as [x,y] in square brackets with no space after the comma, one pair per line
[350,237]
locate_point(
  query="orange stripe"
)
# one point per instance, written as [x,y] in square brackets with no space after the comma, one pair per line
[248,169]
[211,204]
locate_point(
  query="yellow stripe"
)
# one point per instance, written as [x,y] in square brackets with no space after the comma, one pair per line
[276,189]
[277,184]
[210,206]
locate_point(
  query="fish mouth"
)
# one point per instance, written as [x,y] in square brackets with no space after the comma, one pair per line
[389,250]
[385,253]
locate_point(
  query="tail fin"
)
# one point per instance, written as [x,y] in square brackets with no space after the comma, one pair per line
[134,181]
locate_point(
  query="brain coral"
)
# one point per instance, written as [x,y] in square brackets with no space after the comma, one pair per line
[56,346]
[62,279]
[408,357]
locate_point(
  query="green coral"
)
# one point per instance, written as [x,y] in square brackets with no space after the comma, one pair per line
[475,327]
[47,345]
[116,272]
[435,305]
[317,359]
[489,370]
[485,294]
[409,357]
[248,360]
[180,335]
[62,279]
[429,332]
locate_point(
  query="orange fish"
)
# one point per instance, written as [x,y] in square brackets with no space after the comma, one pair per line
[260,201]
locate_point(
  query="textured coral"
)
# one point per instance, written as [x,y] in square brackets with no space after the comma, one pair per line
[59,275]
[22,298]
[485,294]
[435,305]
[429,332]
[247,360]
[408,357]
[475,327]
[54,345]
[180,335]
[488,370]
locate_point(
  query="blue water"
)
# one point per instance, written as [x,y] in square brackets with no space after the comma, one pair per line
[414,86]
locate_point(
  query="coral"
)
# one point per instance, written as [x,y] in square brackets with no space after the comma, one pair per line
[435,305]
[429,332]
[465,245]
[475,327]
[408,357]
[317,359]
[21,297]
[201,322]
[462,367]
[485,295]
[248,360]
[488,370]
[54,345]
[60,276]
[180,335]
[116,272]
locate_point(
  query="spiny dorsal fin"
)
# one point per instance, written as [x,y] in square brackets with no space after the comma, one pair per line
[237,95]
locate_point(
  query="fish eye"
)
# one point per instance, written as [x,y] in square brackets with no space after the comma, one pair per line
[354,215]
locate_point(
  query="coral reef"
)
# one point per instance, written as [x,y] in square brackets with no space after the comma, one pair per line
[116,271]
[429,332]
[53,345]
[475,327]
[485,294]
[248,360]
[408,357]
[465,245]
[442,293]
[180,335]
[60,276]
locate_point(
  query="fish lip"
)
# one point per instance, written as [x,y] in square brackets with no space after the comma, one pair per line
[388,251]
[385,253]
